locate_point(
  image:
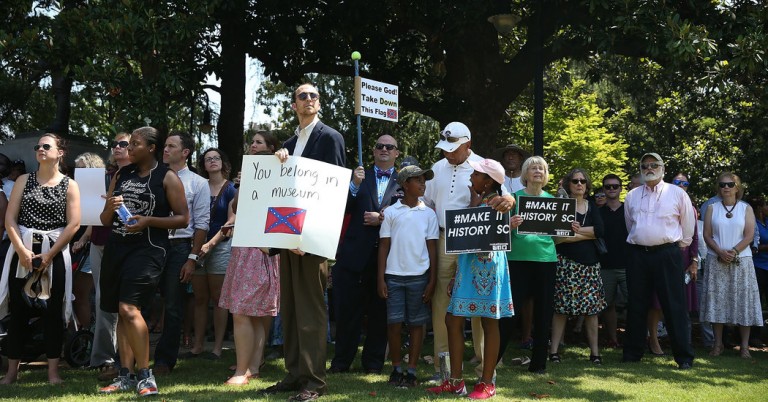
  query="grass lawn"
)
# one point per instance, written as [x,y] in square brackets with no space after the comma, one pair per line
[724,378]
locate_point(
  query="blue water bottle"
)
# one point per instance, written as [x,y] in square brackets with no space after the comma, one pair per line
[123,211]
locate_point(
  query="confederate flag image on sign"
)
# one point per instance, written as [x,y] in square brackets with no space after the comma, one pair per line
[285,220]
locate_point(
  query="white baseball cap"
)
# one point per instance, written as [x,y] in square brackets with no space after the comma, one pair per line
[453,135]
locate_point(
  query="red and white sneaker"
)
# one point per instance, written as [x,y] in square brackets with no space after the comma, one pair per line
[447,387]
[483,391]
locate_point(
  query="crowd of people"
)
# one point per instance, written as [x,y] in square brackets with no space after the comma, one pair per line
[167,228]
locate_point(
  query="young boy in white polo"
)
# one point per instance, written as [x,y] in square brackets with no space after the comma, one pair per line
[407,269]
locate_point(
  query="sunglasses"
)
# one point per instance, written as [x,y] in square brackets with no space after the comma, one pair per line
[611,186]
[381,146]
[212,159]
[46,147]
[119,144]
[579,181]
[652,165]
[446,136]
[599,195]
[729,184]
[307,95]
[679,182]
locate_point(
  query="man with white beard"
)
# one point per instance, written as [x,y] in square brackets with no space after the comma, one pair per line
[660,219]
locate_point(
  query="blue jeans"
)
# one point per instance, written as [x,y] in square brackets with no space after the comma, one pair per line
[167,350]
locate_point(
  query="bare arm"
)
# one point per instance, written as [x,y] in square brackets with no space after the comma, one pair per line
[384,244]
[12,224]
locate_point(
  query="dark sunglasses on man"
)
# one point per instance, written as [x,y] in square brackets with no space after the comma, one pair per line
[446,136]
[307,95]
[381,146]
[119,144]
[679,182]
[611,186]
[652,165]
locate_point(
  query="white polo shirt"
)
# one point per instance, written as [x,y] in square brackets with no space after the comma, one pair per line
[408,229]
[449,189]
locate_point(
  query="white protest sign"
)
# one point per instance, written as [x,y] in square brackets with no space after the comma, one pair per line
[296,204]
[376,99]
[92,186]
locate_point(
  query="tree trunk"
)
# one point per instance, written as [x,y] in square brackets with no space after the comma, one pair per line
[233,49]
[62,91]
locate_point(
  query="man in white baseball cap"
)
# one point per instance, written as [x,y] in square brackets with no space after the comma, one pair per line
[449,190]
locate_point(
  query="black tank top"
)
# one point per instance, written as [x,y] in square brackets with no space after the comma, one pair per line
[143,196]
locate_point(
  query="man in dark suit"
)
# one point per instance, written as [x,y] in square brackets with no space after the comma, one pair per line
[354,275]
[303,277]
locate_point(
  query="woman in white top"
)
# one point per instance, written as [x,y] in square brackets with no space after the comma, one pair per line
[730,286]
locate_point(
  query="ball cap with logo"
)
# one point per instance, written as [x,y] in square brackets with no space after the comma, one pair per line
[652,155]
[413,171]
[452,136]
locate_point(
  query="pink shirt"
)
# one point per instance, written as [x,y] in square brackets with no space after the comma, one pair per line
[659,215]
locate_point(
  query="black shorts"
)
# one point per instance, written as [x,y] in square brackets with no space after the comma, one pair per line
[130,273]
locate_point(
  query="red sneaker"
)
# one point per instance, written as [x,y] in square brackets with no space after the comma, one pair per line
[483,391]
[447,387]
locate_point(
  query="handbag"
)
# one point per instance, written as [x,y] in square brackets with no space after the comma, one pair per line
[600,246]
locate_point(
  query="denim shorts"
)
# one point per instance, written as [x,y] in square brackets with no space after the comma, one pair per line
[404,303]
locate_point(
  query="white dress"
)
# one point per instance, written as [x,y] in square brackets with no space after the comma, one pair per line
[730,294]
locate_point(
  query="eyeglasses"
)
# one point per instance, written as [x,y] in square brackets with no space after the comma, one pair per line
[212,159]
[679,182]
[381,146]
[599,195]
[652,165]
[729,184]
[446,136]
[307,95]
[46,147]
[119,144]
[579,181]
[611,186]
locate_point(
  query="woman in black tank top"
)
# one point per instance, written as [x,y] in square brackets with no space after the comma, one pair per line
[135,252]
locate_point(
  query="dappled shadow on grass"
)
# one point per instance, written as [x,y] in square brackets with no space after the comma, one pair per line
[653,378]
[712,378]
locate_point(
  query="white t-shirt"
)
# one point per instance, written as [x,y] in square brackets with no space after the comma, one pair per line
[408,229]
[513,185]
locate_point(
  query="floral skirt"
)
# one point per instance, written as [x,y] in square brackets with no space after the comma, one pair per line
[730,294]
[578,288]
[481,287]
[252,283]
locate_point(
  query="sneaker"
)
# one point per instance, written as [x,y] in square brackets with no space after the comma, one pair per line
[395,378]
[447,387]
[436,379]
[408,381]
[483,391]
[123,382]
[147,385]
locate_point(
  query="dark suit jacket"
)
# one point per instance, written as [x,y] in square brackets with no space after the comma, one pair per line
[360,240]
[324,144]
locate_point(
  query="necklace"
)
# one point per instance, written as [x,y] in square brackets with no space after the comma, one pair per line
[728,212]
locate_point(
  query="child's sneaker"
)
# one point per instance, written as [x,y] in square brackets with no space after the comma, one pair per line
[483,391]
[147,385]
[409,381]
[395,378]
[447,387]
[123,382]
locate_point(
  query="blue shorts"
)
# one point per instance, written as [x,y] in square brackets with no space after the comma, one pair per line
[404,303]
